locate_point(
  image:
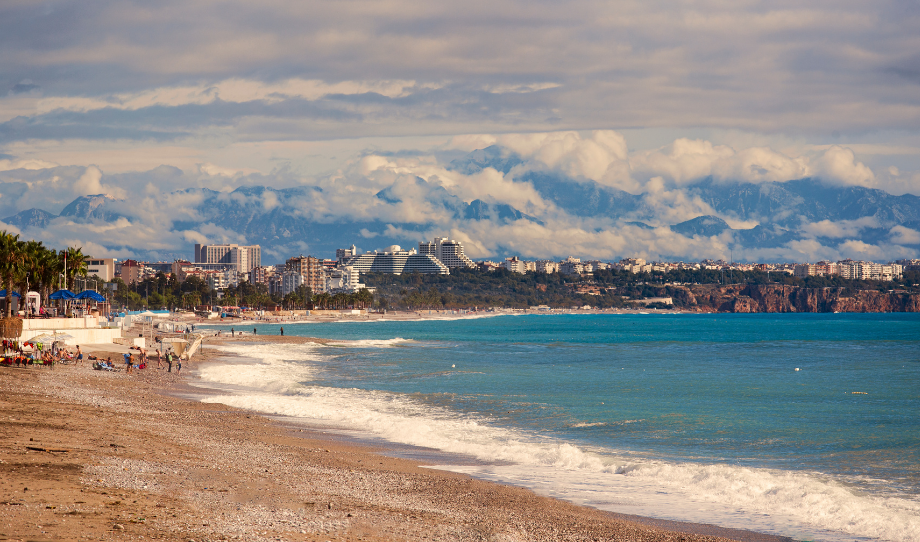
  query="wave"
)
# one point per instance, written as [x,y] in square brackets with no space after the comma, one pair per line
[371,343]
[783,502]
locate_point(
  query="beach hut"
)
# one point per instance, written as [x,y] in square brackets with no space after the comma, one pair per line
[33,303]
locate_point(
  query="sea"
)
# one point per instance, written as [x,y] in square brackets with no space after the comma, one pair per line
[798,425]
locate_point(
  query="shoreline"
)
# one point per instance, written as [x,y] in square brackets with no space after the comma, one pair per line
[142,460]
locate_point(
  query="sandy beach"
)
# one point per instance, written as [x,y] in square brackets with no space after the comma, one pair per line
[92,455]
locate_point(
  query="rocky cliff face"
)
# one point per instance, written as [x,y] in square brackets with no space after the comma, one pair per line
[779,298]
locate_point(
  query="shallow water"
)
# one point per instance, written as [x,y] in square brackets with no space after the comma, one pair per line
[692,417]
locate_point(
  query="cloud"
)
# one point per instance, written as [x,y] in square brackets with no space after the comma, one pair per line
[485,67]
[901,235]
[421,196]
[88,183]
[857,249]
[839,166]
[9,164]
[839,229]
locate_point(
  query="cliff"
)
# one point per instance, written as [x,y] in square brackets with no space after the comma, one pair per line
[783,298]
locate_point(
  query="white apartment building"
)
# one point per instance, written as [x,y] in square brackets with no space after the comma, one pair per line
[851,269]
[571,266]
[220,280]
[530,267]
[104,268]
[514,264]
[805,270]
[448,251]
[635,265]
[547,266]
[242,258]
[290,281]
[344,279]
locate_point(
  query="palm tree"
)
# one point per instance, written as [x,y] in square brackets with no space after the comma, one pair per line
[28,275]
[48,268]
[11,263]
[322,300]
[76,265]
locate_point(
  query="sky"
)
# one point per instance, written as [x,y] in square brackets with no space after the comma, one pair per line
[139,99]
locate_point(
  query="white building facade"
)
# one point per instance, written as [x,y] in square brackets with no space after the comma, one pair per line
[448,251]
[515,265]
[397,261]
[242,258]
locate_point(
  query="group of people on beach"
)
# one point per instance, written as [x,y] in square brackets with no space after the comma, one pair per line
[143,359]
[39,355]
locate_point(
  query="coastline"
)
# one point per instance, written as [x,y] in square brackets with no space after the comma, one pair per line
[145,462]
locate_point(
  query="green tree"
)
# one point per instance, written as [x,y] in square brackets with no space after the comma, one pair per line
[12,260]
[76,265]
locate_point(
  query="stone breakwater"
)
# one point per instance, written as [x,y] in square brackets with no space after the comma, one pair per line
[744,298]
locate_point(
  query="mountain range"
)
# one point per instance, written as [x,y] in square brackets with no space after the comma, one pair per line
[288,220]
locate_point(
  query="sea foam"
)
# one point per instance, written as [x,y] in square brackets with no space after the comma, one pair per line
[278,381]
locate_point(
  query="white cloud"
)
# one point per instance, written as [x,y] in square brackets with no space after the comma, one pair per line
[600,157]
[234,90]
[89,182]
[682,161]
[7,165]
[838,165]
[839,229]
[857,249]
[904,236]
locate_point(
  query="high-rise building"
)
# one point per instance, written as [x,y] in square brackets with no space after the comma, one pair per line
[311,269]
[448,251]
[242,258]
[290,281]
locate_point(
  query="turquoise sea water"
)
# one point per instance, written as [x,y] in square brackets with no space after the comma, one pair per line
[796,424]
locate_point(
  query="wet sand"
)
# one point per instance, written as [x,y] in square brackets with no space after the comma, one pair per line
[92,455]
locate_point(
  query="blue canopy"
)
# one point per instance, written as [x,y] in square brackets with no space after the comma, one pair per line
[3,294]
[62,294]
[91,295]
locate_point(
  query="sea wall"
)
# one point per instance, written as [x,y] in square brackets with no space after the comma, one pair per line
[784,298]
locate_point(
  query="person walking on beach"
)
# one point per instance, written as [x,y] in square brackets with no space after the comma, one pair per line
[169,361]
[159,359]
[178,365]
[282,331]
[254,331]
[232,333]
[79,355]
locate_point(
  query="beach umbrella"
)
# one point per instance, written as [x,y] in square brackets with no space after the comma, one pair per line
[66,295]
[91,295]
[3,294]
[50,336]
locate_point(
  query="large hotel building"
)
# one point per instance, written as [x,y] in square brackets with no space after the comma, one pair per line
[242,258]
